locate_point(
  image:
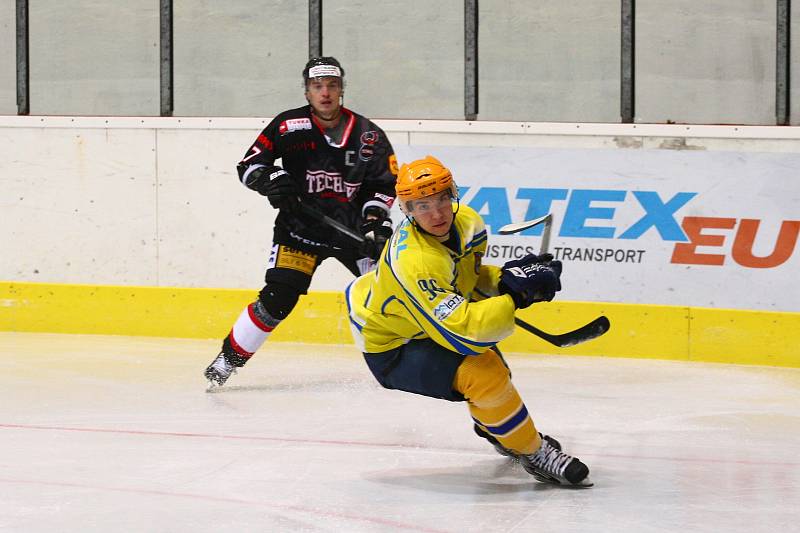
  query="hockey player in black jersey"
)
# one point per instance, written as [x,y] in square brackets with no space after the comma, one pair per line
[333,161]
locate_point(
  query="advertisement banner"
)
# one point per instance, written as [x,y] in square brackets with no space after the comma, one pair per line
[674,227]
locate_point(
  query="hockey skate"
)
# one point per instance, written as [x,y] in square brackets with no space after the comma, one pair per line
[219,370]
[550,465]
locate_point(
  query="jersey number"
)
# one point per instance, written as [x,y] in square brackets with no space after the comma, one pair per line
[429,286]
[256,150]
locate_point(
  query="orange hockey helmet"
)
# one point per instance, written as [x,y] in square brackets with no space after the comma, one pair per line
[422,178]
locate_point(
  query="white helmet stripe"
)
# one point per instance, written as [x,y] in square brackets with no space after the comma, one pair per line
[320,71]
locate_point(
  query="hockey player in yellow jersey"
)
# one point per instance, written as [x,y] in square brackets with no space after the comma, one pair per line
[429,317]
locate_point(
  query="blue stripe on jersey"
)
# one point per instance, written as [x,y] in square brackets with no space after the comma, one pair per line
[358,326]
[456,341]
[350,314]
[347,296]
[477,240]
[507,426]
[366,300]
[388,300]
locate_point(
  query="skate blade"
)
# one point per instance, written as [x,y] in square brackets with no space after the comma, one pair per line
[585,483]
[213,387]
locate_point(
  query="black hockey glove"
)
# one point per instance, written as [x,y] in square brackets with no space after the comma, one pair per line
[277,185]
[281,191]
[531,279]
[376,232]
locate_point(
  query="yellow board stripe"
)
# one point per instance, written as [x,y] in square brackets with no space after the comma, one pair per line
[160,312]
[637,331]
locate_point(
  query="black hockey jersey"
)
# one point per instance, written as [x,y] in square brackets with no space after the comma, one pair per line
[339,179]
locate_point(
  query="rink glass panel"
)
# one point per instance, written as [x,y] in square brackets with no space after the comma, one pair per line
[696,62]
[550,61]
[404,59]
[8,50]
[238,58]
[94,58]
[707,62]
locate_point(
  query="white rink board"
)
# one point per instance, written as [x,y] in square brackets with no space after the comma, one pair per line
[156,202]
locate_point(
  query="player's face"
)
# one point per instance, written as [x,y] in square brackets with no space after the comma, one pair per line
[324,96]
[434,213]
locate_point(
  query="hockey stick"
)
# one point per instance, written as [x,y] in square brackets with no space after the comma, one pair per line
[335,224]
[590,331]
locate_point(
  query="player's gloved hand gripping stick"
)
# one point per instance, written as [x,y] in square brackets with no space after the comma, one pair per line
[590,331]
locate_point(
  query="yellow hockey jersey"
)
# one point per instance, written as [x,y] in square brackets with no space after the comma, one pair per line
[422,289]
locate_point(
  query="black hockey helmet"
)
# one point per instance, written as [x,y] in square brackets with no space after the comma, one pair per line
[321,67]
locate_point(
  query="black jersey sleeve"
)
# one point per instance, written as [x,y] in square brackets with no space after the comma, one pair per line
[258,161]
[380,174]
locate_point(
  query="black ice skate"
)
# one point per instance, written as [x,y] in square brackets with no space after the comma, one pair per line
[550,465]
[219,370]
[223,365]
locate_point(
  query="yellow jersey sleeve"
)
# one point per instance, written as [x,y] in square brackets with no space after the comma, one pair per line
[488,279]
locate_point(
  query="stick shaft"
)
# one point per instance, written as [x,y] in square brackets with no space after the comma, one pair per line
[335,224]
[548,225]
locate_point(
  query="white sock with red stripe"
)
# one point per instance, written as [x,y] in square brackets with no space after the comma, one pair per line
[249,332]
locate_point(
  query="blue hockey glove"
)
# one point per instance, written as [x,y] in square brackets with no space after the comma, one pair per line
[531,279]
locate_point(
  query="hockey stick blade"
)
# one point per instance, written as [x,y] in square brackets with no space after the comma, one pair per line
[509,229]
[592,330]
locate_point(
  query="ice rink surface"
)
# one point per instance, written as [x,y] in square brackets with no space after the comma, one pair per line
[102,434]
